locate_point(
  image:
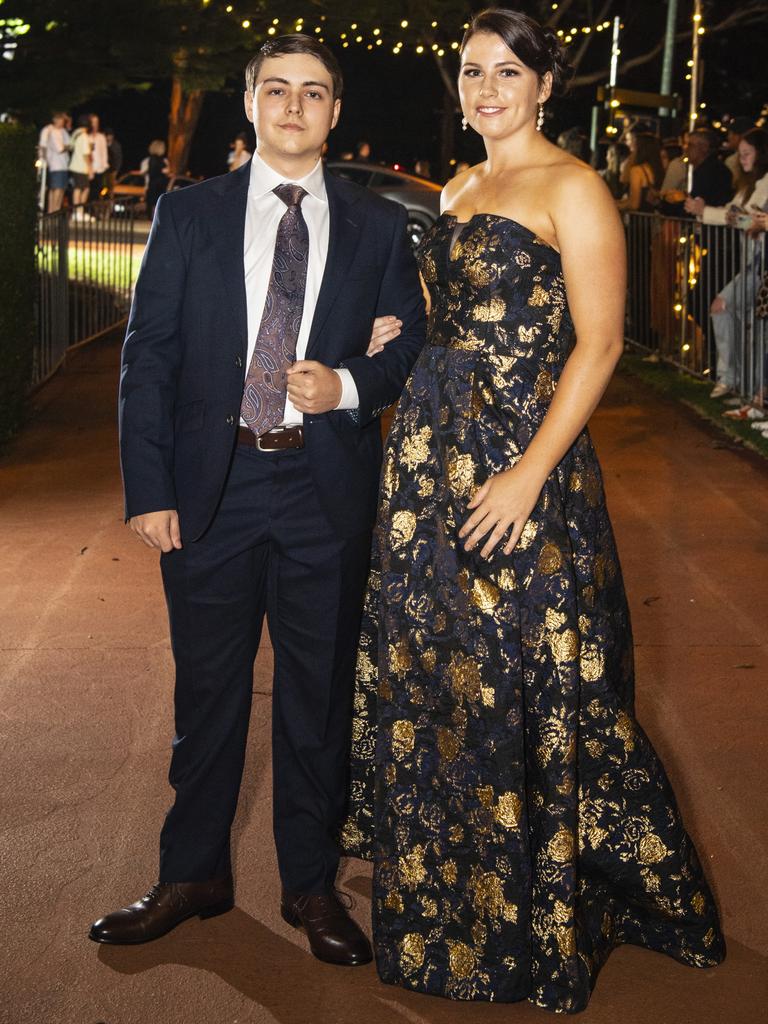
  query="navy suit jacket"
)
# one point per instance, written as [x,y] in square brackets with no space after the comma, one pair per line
[184,357]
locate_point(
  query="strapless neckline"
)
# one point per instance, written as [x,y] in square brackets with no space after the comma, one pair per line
[499,216]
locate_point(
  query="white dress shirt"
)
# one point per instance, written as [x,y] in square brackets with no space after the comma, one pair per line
[263,214]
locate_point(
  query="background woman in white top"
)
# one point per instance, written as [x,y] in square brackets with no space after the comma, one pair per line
[727,311]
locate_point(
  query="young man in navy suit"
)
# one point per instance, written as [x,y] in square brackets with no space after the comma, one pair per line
[250,446]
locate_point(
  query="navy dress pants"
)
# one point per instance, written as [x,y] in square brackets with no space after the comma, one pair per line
[270,550]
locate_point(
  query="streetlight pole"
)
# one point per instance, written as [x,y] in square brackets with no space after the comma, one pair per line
[693,109]
[669,53]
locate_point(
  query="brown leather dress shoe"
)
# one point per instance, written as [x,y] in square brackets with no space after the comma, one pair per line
[333,935]
[164,906]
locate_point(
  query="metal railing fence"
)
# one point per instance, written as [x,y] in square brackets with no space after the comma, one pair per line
[85,279]
[677,268]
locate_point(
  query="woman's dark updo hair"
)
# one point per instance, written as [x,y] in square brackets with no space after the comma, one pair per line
[537,47]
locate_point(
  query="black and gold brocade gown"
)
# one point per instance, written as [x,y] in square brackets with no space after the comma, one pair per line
[522,825]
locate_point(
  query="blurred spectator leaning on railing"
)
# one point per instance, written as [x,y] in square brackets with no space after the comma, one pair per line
[739,293]
[642,172]
[615,157]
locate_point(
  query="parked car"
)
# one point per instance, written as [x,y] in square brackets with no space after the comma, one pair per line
[131,189]
[419,196]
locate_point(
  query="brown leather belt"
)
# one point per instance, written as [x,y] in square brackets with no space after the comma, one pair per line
[276,440]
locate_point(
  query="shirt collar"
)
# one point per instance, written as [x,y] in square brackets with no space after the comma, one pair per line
[264,179]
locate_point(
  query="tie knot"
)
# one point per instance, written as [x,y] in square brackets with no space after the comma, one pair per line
[291,195]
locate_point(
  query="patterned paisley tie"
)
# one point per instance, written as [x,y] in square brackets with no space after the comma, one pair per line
[265,383]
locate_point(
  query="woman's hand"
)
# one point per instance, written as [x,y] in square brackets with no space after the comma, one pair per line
[695,206]
[759,222]
[385,329]
[505,500]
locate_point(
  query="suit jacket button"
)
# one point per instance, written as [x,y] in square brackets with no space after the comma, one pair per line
[230,421]
[238,361]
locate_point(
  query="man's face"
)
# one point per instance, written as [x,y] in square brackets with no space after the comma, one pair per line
[292,107]
[696,149]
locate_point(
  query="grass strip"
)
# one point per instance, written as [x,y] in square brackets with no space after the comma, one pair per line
[672,383]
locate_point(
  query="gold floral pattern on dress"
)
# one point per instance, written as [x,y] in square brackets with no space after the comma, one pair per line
[520,823]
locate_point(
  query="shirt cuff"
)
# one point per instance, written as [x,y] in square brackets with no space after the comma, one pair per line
[350,399]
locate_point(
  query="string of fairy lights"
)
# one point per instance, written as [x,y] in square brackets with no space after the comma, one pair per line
[401,34]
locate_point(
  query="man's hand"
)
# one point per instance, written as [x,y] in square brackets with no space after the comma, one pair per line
[158,529]
[695,205]
[312,387]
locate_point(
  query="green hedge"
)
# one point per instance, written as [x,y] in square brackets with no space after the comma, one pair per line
[17,271]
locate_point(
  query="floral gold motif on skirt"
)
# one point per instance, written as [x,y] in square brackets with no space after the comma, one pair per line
[485,596]
[550,559]
[560,846]
[411,867]
[652,850]
[415,449]
[447,743]
[461,959]
[461,473]
[507,810]
[464,673]
[412,952]
[403,528]
[488,892]
[403,738]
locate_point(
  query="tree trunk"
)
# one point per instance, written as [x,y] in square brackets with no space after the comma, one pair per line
[182,122]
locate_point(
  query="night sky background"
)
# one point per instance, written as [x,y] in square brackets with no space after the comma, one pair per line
[395,102]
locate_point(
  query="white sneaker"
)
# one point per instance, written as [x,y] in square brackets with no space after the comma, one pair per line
[761,426]
[719,390]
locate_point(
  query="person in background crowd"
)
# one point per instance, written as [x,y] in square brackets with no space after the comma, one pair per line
[727,309]
[615,156]
[100,156]
[574,141]
[54,150]
[711,178]
[363,151]
[672,157]
[422,168]
[461,166]
[737,128]
[81,167]
[240,153]
[114,160]
[675,183]
[157,174]
[643,172]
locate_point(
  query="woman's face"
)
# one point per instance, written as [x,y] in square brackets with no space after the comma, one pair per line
[632,142]
[499,94]
[747,156]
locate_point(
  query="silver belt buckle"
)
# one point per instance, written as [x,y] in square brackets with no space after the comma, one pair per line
[273,430]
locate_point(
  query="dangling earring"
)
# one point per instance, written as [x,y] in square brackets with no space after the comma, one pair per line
[464,124]
[540,118]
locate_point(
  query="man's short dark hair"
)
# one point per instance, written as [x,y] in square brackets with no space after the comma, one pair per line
[295,43]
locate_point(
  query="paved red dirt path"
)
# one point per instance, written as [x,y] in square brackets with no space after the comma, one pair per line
[85,723]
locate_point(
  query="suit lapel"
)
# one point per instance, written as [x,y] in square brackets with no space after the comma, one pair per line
[345,221]
[228,232]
